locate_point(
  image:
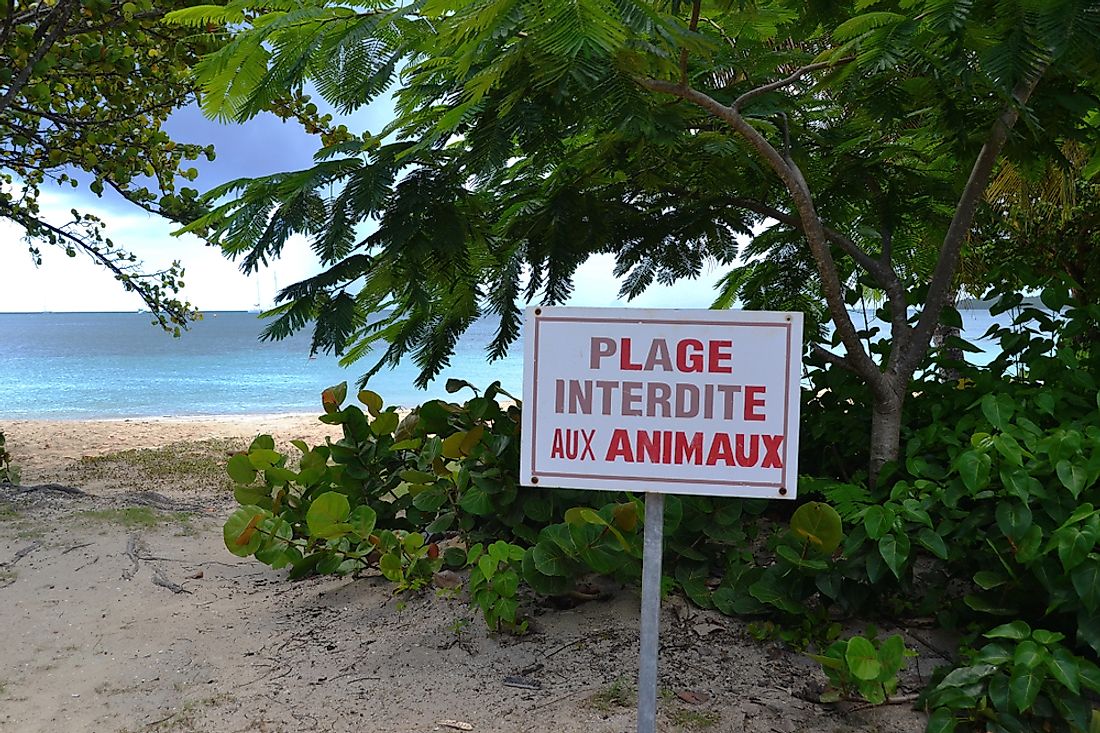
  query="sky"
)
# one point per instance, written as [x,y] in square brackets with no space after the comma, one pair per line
[262,146]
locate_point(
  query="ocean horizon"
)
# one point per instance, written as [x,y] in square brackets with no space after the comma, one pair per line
[95,365]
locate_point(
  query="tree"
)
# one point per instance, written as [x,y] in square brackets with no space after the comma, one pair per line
[531,135]
[85,89]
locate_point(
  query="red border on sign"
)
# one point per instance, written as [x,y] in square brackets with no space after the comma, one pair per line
[598,477]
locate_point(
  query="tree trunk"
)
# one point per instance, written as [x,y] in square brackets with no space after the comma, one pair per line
[885,433]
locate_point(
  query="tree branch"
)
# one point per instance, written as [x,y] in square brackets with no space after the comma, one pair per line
[942,277]
[55,22]
[798,74]
[834,359]
[693,25]
[171,103]
[813,229]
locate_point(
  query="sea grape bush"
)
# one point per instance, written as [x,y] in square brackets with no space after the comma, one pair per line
[391,492]
[1023,680]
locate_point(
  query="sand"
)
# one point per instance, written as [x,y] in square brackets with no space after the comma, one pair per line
[122,611]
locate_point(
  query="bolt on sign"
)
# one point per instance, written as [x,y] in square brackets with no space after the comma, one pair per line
[657,400]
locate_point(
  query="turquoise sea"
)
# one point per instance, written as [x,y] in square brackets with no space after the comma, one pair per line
[91,365]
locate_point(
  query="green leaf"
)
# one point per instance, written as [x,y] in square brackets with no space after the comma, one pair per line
[240,469]
[487,565]
[862,659]
[506,583]
[1073,546]
[262,458]
[476,501]
[1015,630]
[1065,668]
[326,515]
[819,524]
[998,410]
[974,469]
[390,566]
[891,656]
[385,423]
[1013,519]
[1072,476]
[863,24]
[942,720]
[362,521]
[797,560]
[966,676]
[895,551]
[412,542]
[540,583]
[262,442]
[240,532]
[333,397]
[877,522]
[255,496]
[1047,638]
[932,542]
[550,558]
[1023,688]
[988,579]
[1028,655]
[372,401]
[1086,581]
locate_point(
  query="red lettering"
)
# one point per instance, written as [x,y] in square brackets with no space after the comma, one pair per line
[689,355]
[619,447]
[772,458]
[558,449]
[685,450]
[721,450]
[750,457]
[587,452]
[624,358]
[752,402]
[649,444]
[716,357]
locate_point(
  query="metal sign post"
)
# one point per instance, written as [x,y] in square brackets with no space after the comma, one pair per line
[653,544]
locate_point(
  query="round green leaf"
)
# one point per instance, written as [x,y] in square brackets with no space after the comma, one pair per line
[362,521]
[862,659]
[372,400]
[327,510]
[240,532]
[240,469]
[819,524]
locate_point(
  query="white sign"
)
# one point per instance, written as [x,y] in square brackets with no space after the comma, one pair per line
[672,401]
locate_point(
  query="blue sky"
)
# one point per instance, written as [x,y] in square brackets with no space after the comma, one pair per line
[262,146]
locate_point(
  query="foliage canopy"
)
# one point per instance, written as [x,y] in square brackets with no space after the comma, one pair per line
[85,90]
[860,137]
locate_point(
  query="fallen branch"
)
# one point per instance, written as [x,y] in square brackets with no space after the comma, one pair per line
[58,488]
[162,580]
[133,551]
[20,554]
[896,700]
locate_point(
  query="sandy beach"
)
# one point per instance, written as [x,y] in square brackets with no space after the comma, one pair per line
[123,611]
